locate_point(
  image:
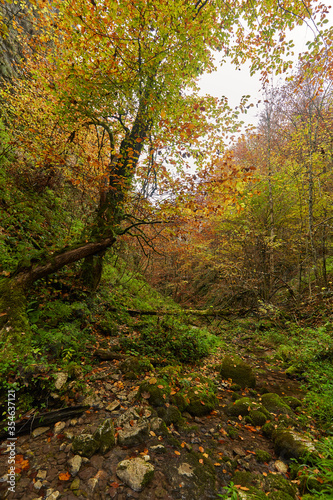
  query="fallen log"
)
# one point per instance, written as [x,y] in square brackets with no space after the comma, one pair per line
[26,425]
[196,312]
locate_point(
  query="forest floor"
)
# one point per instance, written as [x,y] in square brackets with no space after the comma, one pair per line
[228,445]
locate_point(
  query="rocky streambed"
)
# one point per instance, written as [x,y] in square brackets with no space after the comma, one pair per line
[167,434]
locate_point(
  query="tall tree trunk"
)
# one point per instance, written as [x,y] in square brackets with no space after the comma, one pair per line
[122,168]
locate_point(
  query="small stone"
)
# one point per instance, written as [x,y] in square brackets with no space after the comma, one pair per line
[136,473]
[113,406]
[75,484]
[53,496]
[132,395]
[60,380]
[73,421]
[75,465]
[62,446]
[58,427]
[69,435]
[41,474]
[185,470]
[38,485]
[40,430]
[92,483]
[281,466]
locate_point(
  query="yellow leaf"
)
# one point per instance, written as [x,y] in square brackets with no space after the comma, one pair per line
[163,114]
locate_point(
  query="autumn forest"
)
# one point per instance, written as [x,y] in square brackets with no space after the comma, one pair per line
[160,257]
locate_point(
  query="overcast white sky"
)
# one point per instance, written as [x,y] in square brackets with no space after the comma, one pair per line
[232,83]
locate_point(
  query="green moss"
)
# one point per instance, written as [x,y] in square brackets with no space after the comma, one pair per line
[170,373]
[200,401]
[179,400]
[199,379]
[263,456]
[273,403]
[171,415]
[232,432]
[158,389]
[14,324]
[85,445]
[268,430]
[278,482]
[245,478]
[105,436]
[292,402]
[134,367]
[204,471]
[241,373]
[256,418]
[288,444]
[244,406]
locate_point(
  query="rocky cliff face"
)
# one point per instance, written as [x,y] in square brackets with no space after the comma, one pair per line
[14,20]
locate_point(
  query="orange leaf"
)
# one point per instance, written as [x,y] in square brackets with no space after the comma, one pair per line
[64,476]
[177,452]
[201,449]
[160,386]
[201,460]
[115,484]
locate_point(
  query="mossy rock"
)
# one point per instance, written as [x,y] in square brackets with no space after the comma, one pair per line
[133,367]
[240,372]
[290,444]
[232,432]
[157,390]
[85,445]
[256,418]
[263,456]
[245,478]
[268,430]
[179,400]
[292,402]
[171,415]
[276,482]
[273,403]
[200,401]
[204,471]
[196,378]
[242,406]
[105,436]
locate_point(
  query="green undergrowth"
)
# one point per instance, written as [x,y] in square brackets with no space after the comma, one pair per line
[67,324]
[307,354]
[169,340]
